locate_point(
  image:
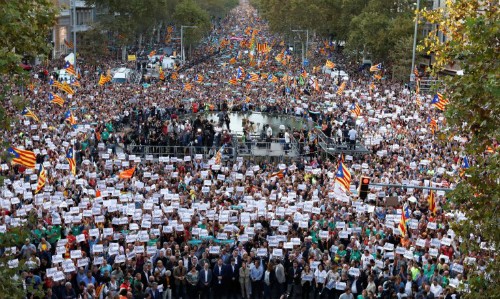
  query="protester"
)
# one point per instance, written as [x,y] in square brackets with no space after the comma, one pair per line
[182,225]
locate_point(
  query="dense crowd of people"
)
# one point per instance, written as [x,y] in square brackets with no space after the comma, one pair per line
[201,227]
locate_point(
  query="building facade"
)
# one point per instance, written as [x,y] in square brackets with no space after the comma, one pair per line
[66,24]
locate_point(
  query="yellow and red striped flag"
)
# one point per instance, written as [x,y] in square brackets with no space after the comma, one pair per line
[56,99]
[22,157]
[42,178]
[127,174]
[432,203]
[70,156]
[341,89]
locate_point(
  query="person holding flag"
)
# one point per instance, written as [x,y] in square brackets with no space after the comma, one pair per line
[70,156]
[42,177]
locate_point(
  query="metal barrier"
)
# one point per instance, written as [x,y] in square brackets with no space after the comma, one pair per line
[156,151]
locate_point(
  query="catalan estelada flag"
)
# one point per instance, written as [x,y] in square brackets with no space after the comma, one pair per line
[253,77]
[376,67]
[432,202]
[22,157]
[174,76]
[70,118]
[152,53]
[355,109]
[232,60]
[127,174]
[343,176]
[233,81]
[240,73]
[42,177]
[303,74]
[70,156]
[70,68]
[199,78]
[55,83]
[272,78]
[329,64]
[54,98]
[439,102]
[74,82]
[28,113]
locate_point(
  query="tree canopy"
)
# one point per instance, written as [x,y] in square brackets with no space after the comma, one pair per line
[472,30]
[24,31]
[374,26]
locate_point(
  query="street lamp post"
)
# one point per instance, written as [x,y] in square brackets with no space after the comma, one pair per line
[307,44]
[73,2]
[182,41]
[412,75]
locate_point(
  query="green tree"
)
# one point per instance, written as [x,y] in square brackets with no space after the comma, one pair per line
[189,13]
[94,44]
[131,20]
[24,30]
[472,30]
[379,27]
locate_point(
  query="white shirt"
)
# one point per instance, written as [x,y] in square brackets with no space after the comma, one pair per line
[320,276]
[287,137]
[352,134]
[269,132]
[436,290]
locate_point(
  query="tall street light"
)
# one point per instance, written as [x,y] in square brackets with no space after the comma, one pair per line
[74,31]
[307,44]
[182,41]
[412,75]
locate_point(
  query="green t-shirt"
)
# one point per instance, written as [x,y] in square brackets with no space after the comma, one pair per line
[355,255]
[341,253]
[54,234]
[105,135]
[76,230]
[39,234]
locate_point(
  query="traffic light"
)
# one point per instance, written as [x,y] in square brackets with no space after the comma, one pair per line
[364,187]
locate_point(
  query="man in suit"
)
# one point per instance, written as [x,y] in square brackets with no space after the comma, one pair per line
[232,278]
[294,279]
[147,272]
[219,281]
[205,278]
[154,293]
[180,280]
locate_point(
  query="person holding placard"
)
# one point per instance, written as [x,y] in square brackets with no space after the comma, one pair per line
[319,281]
[306,281]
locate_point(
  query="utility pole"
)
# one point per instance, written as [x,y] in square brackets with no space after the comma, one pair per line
[412,75]
[183,57]
[304,54]
[74,31]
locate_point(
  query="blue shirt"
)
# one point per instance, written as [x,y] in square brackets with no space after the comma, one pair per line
[256,273]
